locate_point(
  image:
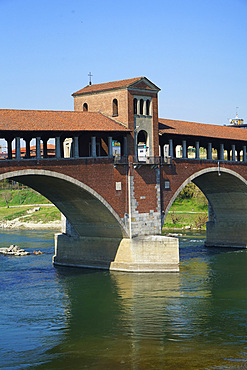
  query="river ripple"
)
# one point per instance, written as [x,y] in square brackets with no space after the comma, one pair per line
[62,318]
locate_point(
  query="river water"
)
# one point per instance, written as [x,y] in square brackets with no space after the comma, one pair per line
[68,318]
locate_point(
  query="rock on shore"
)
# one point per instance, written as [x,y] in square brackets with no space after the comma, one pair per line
[14,250]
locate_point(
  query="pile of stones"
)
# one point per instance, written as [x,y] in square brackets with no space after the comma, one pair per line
[14,250]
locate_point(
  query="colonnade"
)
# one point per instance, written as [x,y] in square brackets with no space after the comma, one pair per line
[41,148]
[224,152]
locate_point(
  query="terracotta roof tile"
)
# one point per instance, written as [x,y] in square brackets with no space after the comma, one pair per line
[168,126]
[107,86]
[37,120]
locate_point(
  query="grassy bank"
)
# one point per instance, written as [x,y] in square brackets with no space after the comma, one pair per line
[190,210]
[19,202]
[43,214]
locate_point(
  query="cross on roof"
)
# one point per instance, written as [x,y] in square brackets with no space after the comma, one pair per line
[90,80]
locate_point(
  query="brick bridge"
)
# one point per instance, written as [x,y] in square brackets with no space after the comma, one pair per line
[114,176]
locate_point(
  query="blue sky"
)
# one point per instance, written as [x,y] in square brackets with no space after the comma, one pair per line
[194,50]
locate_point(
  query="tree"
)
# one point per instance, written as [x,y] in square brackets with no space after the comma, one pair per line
[7,197]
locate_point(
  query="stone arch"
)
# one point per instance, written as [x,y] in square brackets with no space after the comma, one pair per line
[86,210]
[226,192]
[200,173]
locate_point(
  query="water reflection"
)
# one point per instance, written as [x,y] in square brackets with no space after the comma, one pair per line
[62,318]
[194,319]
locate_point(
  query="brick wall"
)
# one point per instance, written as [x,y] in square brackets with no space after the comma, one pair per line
[103,102]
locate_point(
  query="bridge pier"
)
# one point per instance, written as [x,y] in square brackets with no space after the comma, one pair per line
[226,234]
[140,254]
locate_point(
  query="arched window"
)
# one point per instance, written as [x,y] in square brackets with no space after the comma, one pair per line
[142,149]
[142,137]
[135,105]
[115,107]
[141,106]
[85,107]
[148,107]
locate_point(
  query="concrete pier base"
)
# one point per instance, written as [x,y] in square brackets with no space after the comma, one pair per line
[141,254]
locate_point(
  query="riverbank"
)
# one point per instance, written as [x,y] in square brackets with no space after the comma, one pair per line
[35,216]
[189,211]
[16,224]
[180,220]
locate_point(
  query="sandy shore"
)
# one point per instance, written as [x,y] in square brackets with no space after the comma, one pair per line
[18,224]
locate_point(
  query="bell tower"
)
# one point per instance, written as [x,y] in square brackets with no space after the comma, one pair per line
[144,118]
[132,103]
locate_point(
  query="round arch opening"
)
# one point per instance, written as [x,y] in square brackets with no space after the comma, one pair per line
[226,193]
[87,212]
[142,145]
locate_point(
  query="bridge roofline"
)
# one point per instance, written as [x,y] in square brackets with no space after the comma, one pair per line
[67,121]
[114,85]
[183,128]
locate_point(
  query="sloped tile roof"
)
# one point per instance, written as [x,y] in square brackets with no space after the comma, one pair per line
[38,120]
[108,86]
[168,126]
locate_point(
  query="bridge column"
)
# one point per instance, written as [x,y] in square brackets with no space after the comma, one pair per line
[161,151]
[233,153]
[138,106]
[38,147]
[221,152]
[228,154]
[57,147]
[244,153]
[45,153]
[76,146]
[18,148]
[171,150]
[144,106]
[110,154]
[9,142]
[28,148]
[93,146]
[209,151]
[125,146]
[197,150]
[238,155]
[184,144]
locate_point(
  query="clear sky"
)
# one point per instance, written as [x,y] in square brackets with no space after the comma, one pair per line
[194,50]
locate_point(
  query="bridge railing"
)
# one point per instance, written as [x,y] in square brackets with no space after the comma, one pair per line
[123,160]
[142,160]
[154,160]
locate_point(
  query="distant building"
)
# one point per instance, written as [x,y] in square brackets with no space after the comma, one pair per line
[237,122]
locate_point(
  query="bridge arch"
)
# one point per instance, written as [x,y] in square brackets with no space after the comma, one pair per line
[86,210]
[226,192]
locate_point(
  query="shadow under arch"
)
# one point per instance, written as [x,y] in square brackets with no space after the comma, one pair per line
[226,192]
[87,211]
